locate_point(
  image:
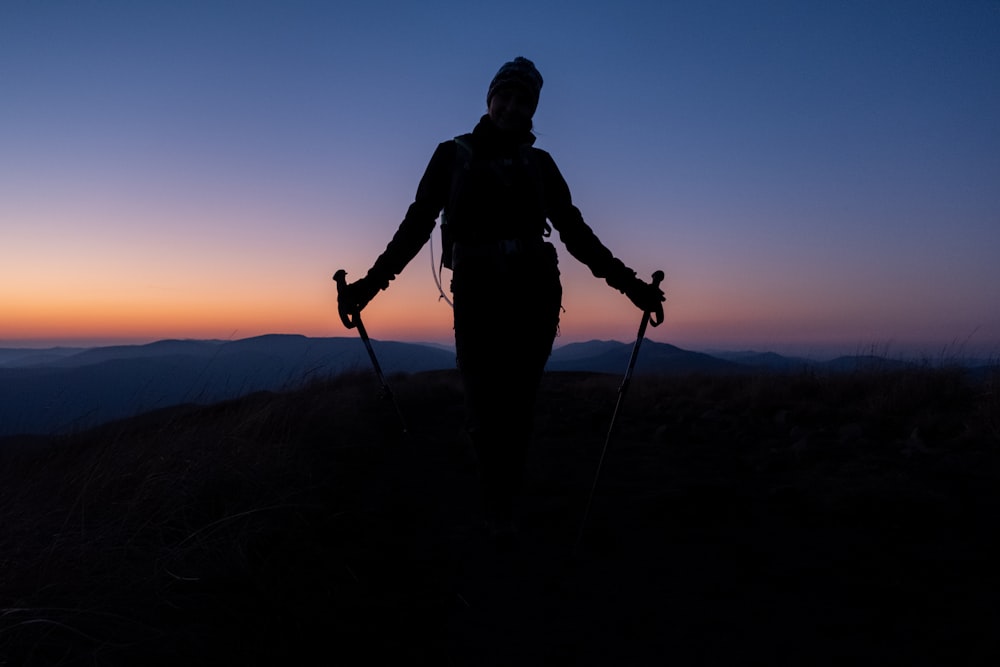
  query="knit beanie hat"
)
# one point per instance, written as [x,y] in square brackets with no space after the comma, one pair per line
[519,72]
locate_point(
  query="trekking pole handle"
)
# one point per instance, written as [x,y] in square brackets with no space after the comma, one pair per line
[349,318]
[656,316]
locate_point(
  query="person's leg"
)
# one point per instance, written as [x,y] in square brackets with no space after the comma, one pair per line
[504,330]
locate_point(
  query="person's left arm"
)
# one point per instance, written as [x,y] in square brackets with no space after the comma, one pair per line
[581,241]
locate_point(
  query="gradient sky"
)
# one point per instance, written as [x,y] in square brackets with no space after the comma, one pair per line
[810,176]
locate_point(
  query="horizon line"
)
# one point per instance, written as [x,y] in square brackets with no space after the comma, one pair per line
[812,350]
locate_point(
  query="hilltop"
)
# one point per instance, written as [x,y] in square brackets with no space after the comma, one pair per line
[740,519]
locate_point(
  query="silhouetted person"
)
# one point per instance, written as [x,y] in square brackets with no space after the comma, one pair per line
[497,193]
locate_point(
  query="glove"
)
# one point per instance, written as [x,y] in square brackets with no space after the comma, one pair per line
[353,298]
[647,297]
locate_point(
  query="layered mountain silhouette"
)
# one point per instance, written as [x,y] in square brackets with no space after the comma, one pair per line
[58,393]
[61,390]
[613,357]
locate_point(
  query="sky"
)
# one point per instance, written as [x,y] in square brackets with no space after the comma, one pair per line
[811,177]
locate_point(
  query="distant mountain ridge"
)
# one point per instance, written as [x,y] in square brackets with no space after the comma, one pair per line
[48,393]
[60,390]
[19,356]
[654,358]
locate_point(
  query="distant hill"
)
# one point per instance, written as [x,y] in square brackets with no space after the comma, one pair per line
[582,351]
[65,393]
[200,349]
[16,356]
[769,360]
[62,390]
[654,358]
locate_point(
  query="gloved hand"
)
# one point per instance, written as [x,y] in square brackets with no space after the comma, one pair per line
[646,296]
[353,297]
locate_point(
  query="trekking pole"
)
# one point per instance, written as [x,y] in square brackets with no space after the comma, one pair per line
[352,320]
[648,317]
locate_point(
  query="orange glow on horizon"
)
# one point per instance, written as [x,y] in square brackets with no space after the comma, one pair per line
[304,302]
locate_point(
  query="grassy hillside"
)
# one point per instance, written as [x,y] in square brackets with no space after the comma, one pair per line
[768,519]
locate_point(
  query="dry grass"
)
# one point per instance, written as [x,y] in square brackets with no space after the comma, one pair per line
[258,528]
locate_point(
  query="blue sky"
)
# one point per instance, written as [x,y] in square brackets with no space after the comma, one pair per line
[810,176]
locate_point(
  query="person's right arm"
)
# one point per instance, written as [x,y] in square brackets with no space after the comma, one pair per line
[417,225]
[413,231]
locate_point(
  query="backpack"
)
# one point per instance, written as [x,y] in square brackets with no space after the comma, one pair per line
[462,167]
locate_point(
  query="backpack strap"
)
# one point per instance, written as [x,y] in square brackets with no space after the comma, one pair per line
[462,167]
[460,171]
[529,157]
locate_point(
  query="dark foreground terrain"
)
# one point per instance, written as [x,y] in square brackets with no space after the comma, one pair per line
[768,520]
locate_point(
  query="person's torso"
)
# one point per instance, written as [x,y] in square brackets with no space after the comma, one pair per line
[496,193]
